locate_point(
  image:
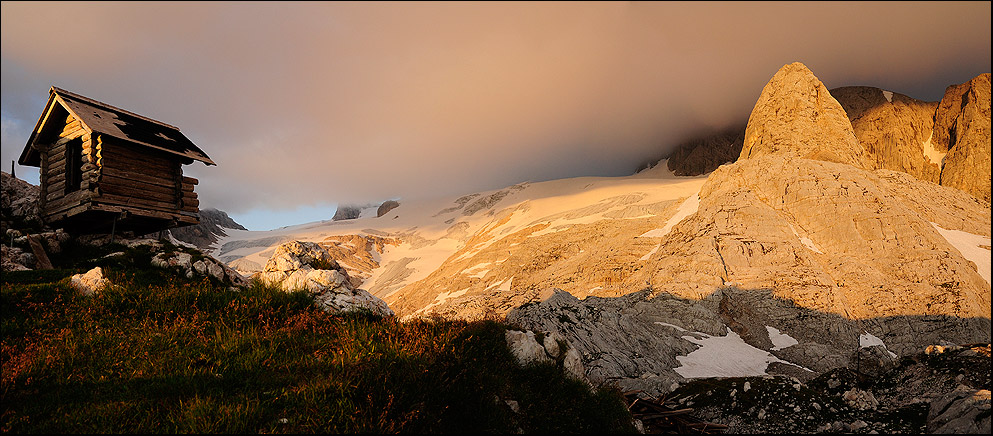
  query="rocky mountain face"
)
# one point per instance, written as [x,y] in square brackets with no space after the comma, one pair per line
[212,225]
[962,127]
[703,155]
[796,116]
[895,130]
[822,244]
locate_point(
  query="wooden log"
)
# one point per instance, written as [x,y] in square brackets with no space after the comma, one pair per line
[192,209]
[72,133]
[110,160]
[144,155]
[72,199]
[106,197]
[109,171]
[59,148]
[187,188]
[136,193]
[190,181]
[115,180]
[191,202]
[189,195]
[135,210]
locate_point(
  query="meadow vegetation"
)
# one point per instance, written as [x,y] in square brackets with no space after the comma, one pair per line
[157,353]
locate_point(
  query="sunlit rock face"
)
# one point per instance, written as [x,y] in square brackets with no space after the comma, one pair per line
[896,130]
[796,116]
[962,126]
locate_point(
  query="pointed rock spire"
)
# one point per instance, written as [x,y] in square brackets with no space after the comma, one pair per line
[796,116]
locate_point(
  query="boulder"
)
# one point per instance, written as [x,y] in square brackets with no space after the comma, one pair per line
[91,282]
[525,347]
[964,410]
[796,116]
[387,206]
[308,266]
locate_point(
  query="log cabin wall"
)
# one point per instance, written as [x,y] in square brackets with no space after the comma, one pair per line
[67,169]
[145,178]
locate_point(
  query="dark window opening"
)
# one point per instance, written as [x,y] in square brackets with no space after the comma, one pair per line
[74,164]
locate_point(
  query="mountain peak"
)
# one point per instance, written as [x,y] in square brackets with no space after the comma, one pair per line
[796,116]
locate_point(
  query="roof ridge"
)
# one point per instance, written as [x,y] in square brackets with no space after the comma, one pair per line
[91,101]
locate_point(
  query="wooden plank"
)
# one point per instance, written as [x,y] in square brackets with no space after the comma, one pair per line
[58,149]
[135,210]
[112,161]
[187,188]
[138,176]
[113,179]
[189,195]
[72,133]
[191,203]
[190,181]
[146,156]
[136,193]
[190,209]
[126,201]
[40,256]
[69,200]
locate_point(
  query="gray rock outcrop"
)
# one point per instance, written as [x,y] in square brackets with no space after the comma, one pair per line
[387,206]
[963,411]
[308,266]
[796,116]
[205,234]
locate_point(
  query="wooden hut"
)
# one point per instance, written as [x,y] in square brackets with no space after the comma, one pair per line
[105,168]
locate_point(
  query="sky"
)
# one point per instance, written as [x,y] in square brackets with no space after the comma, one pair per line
[307,105]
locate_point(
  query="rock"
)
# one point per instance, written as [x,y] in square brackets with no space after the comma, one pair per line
[18,202]
[387,206]
[200,267]
[873,361]
[962,127]
[15,259]
[295,255]
[859,399]
[308,266]
[91,282]
[525,347]
[796,116]
[205,234]
[964,410]
[894,129]
[551,345]
[703,155]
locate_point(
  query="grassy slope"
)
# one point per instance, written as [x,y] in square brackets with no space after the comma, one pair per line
[159,353]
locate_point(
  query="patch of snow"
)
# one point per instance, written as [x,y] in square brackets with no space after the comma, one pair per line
[442,297]
[650,253]
[933,155]
[888,95]
[867,340]
[658,171]
[972,248]
[686,208]
[724,356]
[671,325]
[780,340]
[805,241]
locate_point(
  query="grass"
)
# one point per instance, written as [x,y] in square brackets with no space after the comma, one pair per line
[161,354]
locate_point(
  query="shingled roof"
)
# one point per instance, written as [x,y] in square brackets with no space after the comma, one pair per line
[102,118]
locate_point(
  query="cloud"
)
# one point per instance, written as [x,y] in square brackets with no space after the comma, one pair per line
[303,104]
